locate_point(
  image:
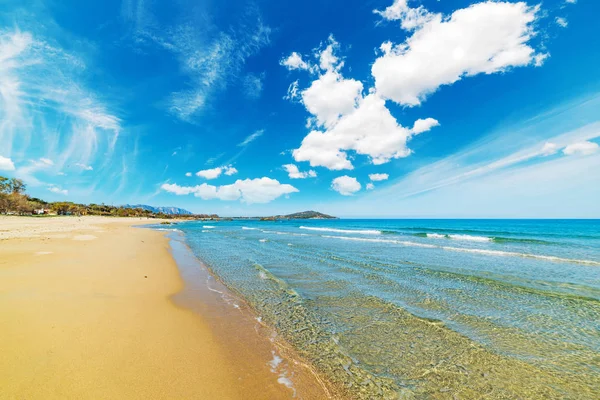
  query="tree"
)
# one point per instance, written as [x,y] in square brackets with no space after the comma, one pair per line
[17,186]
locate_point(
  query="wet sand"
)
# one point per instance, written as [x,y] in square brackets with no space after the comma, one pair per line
[89,309]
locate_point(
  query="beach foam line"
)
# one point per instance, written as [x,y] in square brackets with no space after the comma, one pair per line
[469,238]
[357,231]
[472,238]
[470,250]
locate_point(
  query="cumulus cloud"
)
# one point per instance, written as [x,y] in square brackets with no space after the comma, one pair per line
[344,119]
[211,173]
[229,170]
[378,177]
[345,185]
[410,18]
[370,186]
[294,172]
[6,164]
[214,173]
[251,138]
[548,149]
[258,190]
[294,61]
[485,38]
[581,148]
[188,174]
[370,129]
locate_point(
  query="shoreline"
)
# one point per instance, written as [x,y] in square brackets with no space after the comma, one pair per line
[94,307]
[241,328]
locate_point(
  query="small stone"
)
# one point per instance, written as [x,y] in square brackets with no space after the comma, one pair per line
[145,276]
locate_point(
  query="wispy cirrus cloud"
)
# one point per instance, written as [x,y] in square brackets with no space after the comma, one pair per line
[44,99]
[526,170]
[209,55]
[251,138]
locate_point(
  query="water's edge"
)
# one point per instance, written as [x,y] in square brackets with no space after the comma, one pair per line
[205,293]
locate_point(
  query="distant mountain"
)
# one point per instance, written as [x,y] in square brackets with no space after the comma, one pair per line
[301,215]
[164,210]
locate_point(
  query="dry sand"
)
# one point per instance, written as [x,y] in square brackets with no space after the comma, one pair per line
[86,313]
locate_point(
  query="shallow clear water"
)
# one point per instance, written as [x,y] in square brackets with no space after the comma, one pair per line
[424,308]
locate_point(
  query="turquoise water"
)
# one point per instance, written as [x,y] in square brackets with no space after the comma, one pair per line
[424,308]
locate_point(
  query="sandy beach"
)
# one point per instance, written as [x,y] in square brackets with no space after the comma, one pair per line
[86,311]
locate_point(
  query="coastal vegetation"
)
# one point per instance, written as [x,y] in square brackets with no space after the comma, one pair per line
[14,200]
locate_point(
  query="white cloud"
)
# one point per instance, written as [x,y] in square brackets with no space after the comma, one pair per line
[292,92]
[549,149]
[344,119]
[259,190]
[378,177]
[229,170]
[581,148]
[294,61]
[562,22]
[370,186]
[330,97]
[423,125]
[212,173]
[188,174]
[84,167]
[250,138]
[410,18]
[6,164]
[211,56]
[345,185]
[294,172]
[370,129]
[56,189]
[571,1]
[487,37]
[43,101]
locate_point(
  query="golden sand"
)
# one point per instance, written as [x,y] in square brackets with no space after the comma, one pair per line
[86,313]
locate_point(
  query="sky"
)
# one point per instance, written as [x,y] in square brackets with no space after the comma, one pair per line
[366,108]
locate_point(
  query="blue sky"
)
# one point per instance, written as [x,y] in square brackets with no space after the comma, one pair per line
[381,108]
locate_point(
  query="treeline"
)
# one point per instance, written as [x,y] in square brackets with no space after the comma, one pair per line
[15,200]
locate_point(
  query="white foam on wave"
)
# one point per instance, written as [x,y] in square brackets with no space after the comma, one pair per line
[358,239]
[168,229]
[525,255]
[470,250]
[282,378]
[468,238]
[357,231]
[262,240]
[249,229]
[209,227]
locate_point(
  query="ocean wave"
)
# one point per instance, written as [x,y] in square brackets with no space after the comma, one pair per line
[472,238]
[249,229]
[209,227]
[167,229]
[357,231]
[470,250]
[469,238]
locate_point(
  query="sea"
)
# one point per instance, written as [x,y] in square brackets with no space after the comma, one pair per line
[411,309]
